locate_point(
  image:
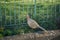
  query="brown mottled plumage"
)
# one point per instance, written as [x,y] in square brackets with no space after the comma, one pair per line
[33,24]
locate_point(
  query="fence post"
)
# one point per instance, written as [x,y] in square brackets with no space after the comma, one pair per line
[35,7]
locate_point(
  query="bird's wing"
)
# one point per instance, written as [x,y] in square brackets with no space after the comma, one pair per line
[37,25]
[34,22]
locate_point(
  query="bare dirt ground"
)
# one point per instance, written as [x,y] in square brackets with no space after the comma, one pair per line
[34,36]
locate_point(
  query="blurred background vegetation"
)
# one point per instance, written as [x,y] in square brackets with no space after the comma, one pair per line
[13,15]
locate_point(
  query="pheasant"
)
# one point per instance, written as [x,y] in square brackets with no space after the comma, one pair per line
[33,24]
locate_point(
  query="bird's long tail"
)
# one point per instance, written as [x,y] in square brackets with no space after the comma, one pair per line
[43,29]
[51,33]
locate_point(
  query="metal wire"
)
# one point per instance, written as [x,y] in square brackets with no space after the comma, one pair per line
[5,13]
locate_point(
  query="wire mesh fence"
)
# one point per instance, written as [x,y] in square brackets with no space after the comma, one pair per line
[13,14]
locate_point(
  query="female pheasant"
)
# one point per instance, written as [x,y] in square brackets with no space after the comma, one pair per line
[33,24]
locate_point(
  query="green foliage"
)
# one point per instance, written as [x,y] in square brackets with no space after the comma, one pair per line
[7,32]
[14,16]
[1,35]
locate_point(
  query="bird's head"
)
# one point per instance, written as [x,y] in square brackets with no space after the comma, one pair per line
[27,16]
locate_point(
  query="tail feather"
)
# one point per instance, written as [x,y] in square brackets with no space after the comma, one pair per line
[43,29]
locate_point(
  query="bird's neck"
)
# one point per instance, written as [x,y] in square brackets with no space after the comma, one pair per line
[28,18]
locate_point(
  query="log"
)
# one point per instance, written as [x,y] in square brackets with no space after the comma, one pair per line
[34,36]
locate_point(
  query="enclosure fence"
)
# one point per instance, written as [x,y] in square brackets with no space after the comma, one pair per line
[13,13]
